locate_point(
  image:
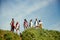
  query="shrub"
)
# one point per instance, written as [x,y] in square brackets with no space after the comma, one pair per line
[7,35]
[40,34]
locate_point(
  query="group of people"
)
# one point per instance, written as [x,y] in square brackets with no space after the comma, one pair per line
[36,24]
[16,26]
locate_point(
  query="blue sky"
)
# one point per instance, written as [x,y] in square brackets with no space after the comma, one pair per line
[46,10]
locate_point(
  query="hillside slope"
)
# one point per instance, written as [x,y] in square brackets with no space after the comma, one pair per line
[7,35]
[31,34]
[40,34]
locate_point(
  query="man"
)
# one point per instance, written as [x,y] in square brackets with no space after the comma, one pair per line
[12,25]
[40,24]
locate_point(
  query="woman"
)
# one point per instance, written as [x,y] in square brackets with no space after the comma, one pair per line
[17,27]
[25,24]
[30,23]
[36,23]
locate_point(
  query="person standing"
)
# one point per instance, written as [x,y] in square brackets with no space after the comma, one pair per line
[36,23]
[25,24]
[17,27]
[30,23]
[40,24]
[20,36]
[12,25]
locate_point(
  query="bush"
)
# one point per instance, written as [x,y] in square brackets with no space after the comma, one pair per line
[7,35]
[40,34]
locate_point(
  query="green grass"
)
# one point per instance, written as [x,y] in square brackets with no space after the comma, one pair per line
[31,34]
[7,35]
[40,34]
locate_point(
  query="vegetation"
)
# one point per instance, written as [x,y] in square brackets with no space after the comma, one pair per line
[7,35]
[40,34]
[31,34]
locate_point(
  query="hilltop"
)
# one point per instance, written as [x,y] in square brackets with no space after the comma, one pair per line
[31,34]
[40,34]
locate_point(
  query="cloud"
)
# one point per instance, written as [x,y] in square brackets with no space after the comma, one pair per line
[19,9]
[25,7]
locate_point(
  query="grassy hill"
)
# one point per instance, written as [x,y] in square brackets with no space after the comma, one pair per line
[31,34]
[7,35]
[40,34]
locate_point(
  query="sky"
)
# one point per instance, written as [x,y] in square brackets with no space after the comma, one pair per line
[46,10]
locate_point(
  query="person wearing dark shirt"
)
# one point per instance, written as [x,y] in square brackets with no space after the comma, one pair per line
[12,25]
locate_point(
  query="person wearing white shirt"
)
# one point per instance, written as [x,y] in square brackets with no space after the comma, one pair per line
[36,23]
[31,23]
[17,27]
